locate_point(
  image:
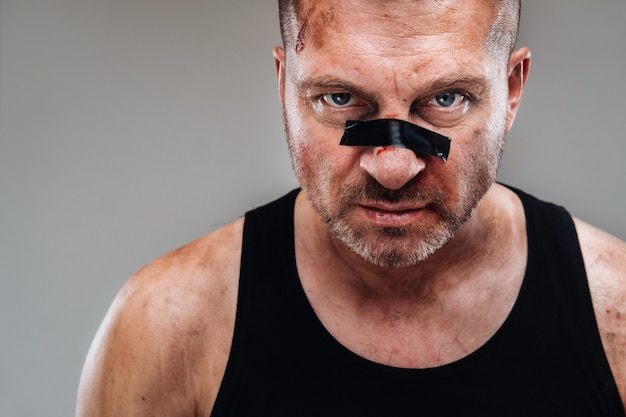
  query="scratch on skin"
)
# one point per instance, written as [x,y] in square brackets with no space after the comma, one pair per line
[303,29]
[439,2]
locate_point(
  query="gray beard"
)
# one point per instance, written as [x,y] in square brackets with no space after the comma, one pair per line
[392,247]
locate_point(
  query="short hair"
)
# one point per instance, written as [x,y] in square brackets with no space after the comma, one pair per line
[500,40]
[287,14]
[504,28]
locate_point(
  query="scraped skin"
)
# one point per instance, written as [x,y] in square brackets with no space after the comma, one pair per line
[302,33]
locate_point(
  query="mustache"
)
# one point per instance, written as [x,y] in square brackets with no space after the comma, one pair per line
[368,189]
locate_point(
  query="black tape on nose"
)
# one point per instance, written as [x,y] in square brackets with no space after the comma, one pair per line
[398,133]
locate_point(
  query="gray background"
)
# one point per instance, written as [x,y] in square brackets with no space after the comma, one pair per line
[129,127]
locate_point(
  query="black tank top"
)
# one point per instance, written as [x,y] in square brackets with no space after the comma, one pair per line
[546,359]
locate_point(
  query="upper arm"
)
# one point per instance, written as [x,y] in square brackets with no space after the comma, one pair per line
[163,345]
[126,368]
[605,263]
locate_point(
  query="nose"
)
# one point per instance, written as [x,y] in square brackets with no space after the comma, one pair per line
[391,166]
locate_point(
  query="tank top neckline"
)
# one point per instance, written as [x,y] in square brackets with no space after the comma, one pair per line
[347,356]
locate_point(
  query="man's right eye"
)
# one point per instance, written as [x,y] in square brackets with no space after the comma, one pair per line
[338,99]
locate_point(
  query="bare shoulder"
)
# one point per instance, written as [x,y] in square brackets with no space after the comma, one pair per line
[605,262]
[164,343]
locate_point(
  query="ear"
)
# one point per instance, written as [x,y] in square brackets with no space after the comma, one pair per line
[279,60]
[519,65]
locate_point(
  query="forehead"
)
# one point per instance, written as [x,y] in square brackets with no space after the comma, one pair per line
[389,28]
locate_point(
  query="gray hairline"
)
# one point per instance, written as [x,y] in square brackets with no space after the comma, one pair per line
[504,30]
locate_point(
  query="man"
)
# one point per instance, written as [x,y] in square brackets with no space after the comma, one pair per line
[401,280]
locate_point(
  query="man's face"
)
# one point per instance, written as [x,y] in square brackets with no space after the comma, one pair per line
[419,61]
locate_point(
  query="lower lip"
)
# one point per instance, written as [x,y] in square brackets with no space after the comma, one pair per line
[385,218]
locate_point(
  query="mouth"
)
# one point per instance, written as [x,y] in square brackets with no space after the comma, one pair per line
[382,215]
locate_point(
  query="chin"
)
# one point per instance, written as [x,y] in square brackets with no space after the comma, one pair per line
[395,247]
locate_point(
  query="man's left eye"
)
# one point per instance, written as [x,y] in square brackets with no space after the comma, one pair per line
[338,99]
[448,99]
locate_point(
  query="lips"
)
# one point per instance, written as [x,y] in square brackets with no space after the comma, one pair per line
[383,215]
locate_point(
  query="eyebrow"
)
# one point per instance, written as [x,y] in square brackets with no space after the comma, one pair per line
[331,82]
[478,82]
